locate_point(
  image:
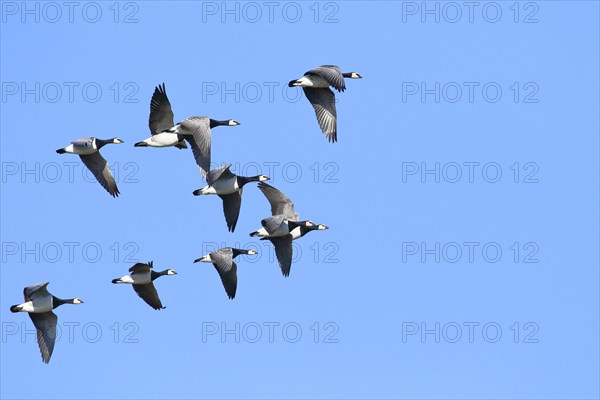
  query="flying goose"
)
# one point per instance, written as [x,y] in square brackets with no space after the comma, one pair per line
[222,259]
[160,120]
[283,245]
[282,226]
[88,150]
[228,186]
[141,277]
[195,130]
[283,218]
[315,84]
[39,304]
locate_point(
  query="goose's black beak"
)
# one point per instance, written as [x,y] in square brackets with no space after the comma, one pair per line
[292,83]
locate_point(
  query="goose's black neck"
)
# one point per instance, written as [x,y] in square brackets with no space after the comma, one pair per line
[59,302]
[242,180]
[237,252]
[154,274]
[305,229]
[347,74]
[214,122]
[102,142]
[294,224]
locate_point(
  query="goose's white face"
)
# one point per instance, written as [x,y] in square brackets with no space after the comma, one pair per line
[171,272]
[355,75]
[252,252]
[117,141]
[205,259]
[77,301]
[263,178]
[322,227]
[233,122]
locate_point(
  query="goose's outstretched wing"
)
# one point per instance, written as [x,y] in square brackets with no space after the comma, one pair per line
[148,293]
[45,325]
[283,252]
[99,167]
[227,269]
[199,130]
[323,101]
[231,208]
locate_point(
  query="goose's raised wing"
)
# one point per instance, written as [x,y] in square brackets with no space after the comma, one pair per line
[218,173]
[161,115]
[332,74]
[141,267]
[280,203]
[35,291]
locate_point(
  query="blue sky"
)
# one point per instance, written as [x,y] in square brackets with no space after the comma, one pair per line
[462,200]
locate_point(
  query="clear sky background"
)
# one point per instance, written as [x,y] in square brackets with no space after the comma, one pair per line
[498,102]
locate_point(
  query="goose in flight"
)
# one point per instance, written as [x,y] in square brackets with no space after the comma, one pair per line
[160,120]
[222,260]
[88,150]
[283,226]
[228,186]
[195,130]
[283,218]
[283,245]
[141,277]
[39,303]
[315,84]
